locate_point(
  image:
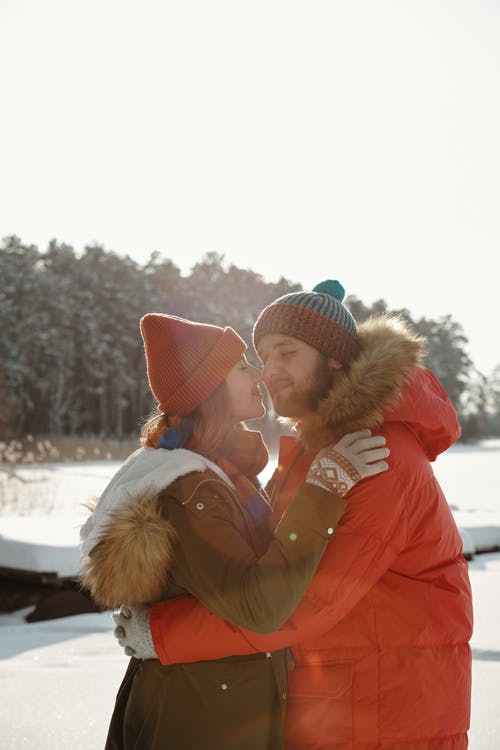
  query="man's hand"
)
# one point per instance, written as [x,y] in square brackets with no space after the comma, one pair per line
[133,632]
[339,467]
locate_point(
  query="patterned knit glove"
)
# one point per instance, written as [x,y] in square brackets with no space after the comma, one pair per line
[133,632]
[339,467]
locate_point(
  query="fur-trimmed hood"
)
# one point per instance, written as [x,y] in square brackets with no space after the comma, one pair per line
[381,385]
[127,546]
[144,474]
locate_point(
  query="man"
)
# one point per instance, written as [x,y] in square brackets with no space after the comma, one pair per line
[380,639]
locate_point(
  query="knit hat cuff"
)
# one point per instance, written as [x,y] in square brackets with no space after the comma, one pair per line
[310,326]
[209,374]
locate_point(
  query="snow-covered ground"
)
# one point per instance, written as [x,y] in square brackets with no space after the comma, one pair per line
[58,678]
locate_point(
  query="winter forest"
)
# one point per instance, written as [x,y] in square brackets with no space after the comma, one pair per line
[71,353]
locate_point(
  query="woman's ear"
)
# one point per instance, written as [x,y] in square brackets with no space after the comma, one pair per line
[333,364]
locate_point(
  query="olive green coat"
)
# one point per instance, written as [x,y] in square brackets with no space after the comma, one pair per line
[214,554]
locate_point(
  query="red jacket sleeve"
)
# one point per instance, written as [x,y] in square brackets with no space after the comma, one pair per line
[371,534]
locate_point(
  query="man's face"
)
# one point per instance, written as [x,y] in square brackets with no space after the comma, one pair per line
[295,374]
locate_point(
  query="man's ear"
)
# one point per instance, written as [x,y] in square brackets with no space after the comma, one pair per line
[333,364]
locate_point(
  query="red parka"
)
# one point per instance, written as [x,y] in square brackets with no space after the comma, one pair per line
[380,639]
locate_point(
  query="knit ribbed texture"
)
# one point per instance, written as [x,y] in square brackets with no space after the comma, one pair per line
[318,318]
[186,361]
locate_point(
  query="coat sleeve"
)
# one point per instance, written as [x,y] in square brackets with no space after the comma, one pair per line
[371,534]
[215,562]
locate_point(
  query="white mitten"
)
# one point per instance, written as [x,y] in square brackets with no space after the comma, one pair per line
[133,632]
[339,467]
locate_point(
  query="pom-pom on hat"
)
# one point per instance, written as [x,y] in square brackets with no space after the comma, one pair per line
[186,361]
[318,317]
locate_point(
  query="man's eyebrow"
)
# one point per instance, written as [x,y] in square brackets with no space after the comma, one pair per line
[283,342]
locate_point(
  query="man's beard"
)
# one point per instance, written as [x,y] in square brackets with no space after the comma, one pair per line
[306,396]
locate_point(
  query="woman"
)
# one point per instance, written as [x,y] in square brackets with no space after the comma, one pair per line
[185,515]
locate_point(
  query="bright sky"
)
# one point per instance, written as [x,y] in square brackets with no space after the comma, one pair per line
[349,139]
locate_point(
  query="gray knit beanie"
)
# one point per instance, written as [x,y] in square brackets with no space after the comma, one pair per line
[318,317]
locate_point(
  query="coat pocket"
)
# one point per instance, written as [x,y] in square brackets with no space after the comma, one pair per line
[319,711]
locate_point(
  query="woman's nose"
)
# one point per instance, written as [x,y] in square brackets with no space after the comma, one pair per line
[254,372]
[257,373]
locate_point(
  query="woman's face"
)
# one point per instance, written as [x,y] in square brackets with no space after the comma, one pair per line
[244,391]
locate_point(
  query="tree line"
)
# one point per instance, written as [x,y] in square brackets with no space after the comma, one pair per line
[71,356]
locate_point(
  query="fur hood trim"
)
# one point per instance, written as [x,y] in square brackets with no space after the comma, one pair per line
[389,351]
[127,545]
[142,477]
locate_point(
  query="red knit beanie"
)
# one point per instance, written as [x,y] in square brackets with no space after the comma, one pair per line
[186,361]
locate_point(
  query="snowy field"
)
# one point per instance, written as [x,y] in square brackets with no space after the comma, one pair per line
[58,678]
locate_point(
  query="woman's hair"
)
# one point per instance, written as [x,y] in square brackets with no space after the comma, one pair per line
[212,424]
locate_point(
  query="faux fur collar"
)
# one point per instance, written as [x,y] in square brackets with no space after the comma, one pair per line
[144,474]
[390,350]
[127,545]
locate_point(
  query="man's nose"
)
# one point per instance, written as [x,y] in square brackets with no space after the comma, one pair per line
[271,367]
